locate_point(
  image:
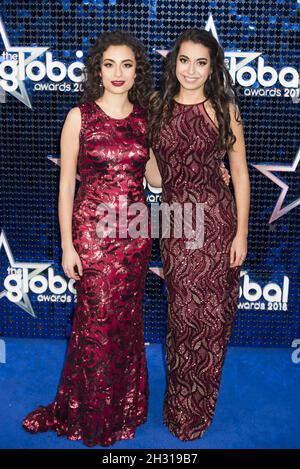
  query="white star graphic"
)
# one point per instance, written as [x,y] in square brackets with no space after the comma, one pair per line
[267,169]
[36,268]
[245,57]
[34,53]
[157,271]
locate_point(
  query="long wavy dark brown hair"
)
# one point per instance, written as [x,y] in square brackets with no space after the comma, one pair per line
[142,89]
[218,89]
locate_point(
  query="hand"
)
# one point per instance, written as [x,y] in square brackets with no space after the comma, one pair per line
[70,259]
[225,174]
[238,250]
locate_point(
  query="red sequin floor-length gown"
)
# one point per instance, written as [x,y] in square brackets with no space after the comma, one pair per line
[103,393]
[202,288]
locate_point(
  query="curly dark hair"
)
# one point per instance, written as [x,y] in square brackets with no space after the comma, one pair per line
[142,89]
[218,89]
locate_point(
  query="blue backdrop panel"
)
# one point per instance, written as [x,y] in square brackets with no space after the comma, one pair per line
[42,47]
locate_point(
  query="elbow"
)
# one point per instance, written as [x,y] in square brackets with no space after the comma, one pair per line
[240,177]
[153,178]
[66,191]
[154,182]
[67,185]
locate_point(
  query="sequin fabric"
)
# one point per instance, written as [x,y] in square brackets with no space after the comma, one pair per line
[202,288]
[103,392]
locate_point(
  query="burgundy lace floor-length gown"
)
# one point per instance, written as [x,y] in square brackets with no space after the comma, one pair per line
[202,288]
[103,393]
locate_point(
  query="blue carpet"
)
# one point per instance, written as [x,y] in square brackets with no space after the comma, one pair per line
[258,405]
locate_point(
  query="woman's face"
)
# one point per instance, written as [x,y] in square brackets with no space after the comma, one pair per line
[193,65]
[118,69]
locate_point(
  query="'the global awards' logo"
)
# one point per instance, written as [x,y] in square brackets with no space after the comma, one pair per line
[25,277]
[269,297]
[19,63]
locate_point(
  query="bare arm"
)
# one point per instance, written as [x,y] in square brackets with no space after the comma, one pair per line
[241,184]
[69,145]
[240,175]
[152,173]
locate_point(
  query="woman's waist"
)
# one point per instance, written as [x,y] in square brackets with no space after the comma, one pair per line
[116,204]
[111,194]
[196,192]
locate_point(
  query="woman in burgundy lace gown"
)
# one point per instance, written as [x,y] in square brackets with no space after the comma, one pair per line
[103,393]
[194,122]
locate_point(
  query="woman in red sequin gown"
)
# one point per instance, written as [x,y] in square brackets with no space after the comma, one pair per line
[103,393]
[193,124]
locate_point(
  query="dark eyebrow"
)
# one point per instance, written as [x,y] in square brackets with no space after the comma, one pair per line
[126,60]
[186,57]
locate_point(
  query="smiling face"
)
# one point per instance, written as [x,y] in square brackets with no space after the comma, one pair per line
[118,69]
[193,65]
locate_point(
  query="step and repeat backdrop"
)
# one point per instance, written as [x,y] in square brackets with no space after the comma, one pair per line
[42,48]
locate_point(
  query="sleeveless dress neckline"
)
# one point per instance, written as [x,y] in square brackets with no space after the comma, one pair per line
[115,118]
[194,104]
[214,126]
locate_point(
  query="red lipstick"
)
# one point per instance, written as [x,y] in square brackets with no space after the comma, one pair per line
[118,83]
